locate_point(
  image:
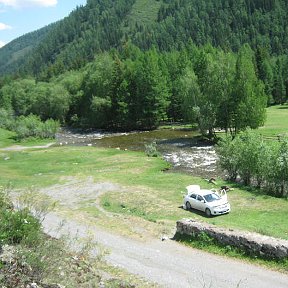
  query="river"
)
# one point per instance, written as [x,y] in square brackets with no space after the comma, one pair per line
[181,148]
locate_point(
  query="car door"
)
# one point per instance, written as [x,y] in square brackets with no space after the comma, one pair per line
[200,203]
[192,200]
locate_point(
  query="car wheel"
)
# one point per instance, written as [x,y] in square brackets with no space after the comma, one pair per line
[188,206]
[208,212]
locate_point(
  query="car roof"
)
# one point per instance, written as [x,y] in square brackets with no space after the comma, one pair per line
[203,192]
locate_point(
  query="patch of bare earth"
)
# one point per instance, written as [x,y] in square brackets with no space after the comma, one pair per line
[20,147]
[77,197]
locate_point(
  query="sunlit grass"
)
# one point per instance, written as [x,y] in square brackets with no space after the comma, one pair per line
[149,193]
[144,11]
[6,138]
[276,122]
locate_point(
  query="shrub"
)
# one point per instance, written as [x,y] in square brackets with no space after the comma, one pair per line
[7,120]
[18,226]
[256,161]
[28,126]
[151,150]
[32,126]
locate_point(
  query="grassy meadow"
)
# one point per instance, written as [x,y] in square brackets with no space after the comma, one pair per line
[149,195]
[276,122]
[7,138]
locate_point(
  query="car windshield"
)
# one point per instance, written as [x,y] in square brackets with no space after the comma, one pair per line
[212,197]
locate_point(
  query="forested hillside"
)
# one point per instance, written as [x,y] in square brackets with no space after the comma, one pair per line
[13,54]
[223,23]
[131,64]
[166,24]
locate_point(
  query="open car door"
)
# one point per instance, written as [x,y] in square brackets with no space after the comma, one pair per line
[223,194]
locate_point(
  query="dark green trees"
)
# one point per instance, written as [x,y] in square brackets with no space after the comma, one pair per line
[139,89]
[226,92]
[248,99]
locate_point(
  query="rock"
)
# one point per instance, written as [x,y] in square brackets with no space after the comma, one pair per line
[252,243]
[7,255]
[32,285]
[164,238]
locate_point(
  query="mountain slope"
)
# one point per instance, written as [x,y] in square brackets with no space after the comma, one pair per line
[167,24]
[13,54]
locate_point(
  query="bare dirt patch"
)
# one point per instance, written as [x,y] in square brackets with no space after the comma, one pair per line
[74,192]
[20,147]
[80,199]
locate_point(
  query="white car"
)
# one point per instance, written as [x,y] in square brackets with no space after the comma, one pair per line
[208,201]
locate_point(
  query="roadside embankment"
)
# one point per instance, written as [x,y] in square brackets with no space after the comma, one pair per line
[251,243]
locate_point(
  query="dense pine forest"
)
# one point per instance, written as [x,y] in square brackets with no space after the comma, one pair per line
[132,64]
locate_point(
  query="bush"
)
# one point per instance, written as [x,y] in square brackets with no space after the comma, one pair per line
[32,126]
[151,150]
[257,162]
[16,225]
[7,120]
[28,126]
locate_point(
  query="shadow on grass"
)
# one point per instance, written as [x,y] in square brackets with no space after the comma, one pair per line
[254,191]
[200,213]
[283,107]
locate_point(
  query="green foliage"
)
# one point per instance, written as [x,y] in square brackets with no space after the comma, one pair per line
[14,53]
[32,126]
[256,161]
[102,25]
[50,101]
[16,225]
[151,150]
[248,103]
[6,119]
[29,126]
[139,89]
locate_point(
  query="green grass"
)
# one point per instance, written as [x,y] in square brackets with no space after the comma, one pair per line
[144,12]
[276,122]
[7,138]
[149,193]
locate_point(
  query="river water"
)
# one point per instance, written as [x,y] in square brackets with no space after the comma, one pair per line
[181,148]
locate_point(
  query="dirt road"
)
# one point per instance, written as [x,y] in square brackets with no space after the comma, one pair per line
[20,147]
[170,264]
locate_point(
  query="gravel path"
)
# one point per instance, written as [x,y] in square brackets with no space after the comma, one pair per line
[170,264]
[167,263]
[20,147]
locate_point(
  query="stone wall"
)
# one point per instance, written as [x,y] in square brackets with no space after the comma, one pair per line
[251,243]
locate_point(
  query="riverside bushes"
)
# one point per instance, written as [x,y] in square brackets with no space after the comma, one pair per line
[257,162]
[28,126]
